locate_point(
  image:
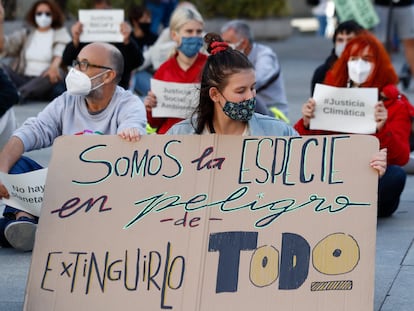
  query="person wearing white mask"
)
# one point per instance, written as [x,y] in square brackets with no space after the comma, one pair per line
[92,104]
[365,63]
[344,32]
[36,51]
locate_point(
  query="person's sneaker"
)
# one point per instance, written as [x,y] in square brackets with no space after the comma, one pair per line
[21,234]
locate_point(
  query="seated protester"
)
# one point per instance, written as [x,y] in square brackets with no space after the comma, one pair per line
[140,19]
[93,103]
[185,64]
[156,55]
[130,50]
[366,63]
[344,32]
[270,87]
[36,51]
[8,98]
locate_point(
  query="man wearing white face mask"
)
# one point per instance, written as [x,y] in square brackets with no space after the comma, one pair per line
[271,95]
[36,51]
[344,32]
[92,104]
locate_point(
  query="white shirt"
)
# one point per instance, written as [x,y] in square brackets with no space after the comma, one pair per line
[39,53]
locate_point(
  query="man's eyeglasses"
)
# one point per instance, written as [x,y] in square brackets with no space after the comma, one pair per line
[84,65]
[40,13]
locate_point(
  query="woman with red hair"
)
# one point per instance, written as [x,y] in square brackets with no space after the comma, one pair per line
[365,63]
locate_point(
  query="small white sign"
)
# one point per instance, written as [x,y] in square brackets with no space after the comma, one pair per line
[25,190]
[175,100]
[346,110]
[101,25]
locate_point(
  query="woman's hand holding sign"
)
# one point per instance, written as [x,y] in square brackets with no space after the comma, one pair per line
[308,110]
[150,101]
[381,115]
[379,161]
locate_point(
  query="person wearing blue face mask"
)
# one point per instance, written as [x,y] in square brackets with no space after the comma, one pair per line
[185,63]
[228,97]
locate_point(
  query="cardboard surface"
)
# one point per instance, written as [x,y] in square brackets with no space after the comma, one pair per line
[207,223]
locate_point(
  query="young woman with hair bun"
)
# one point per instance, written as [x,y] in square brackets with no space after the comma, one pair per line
[228,97]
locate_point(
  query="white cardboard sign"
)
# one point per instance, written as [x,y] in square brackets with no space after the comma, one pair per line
[175,100]
[345,110]
[101,25]
[25,190]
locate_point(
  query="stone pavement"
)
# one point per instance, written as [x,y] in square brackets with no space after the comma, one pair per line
[299,55]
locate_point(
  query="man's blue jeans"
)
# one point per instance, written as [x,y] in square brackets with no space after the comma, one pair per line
[23,165]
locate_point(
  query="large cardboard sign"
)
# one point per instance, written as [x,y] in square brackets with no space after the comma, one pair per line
[207,223]
[346,110]
[101,25]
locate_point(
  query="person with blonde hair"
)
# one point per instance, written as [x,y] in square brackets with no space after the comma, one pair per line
[154,56]
[185,62]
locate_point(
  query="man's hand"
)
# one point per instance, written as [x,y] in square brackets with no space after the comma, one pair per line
[53,74]
[130,134]
[3,192]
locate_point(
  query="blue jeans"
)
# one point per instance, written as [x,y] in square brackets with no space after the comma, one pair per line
[323,22]
[142,82]
[160,13]
[23,165]
[390,187]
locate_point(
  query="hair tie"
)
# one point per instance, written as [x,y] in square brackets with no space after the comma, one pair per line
[218,46]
